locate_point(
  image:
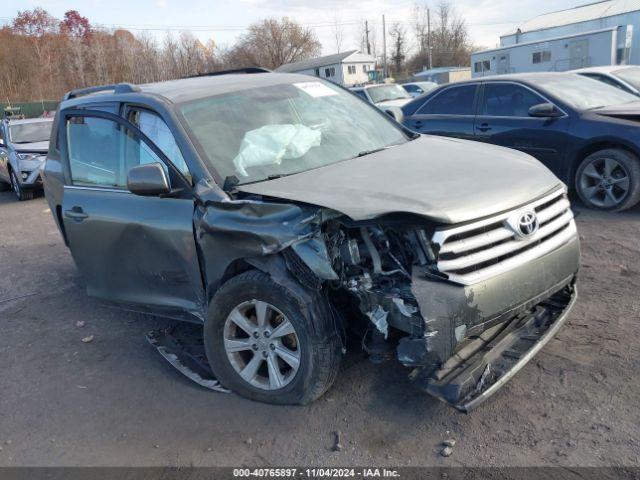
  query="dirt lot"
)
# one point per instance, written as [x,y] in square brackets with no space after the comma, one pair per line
[115,401]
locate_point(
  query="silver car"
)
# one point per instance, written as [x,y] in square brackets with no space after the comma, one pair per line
[23,149]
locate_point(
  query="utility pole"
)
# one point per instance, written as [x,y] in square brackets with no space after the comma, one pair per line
[366,33]
[429,37]
[384,49]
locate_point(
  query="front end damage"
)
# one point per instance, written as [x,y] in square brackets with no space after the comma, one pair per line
[383,280]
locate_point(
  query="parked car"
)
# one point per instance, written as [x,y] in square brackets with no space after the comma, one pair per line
[384,95]
[23,148]
[415,89]
[624,77]
[585,131]
[254,205]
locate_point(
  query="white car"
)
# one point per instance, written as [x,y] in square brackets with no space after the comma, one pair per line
[416,89]
[384,95]
[624,77]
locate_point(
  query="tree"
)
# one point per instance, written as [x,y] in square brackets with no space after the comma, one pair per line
[272,43]
[34,23]
[449,38]
[338,33]
[399,35]
[75,25]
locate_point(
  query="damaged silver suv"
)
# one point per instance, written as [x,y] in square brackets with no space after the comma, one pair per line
[281,214]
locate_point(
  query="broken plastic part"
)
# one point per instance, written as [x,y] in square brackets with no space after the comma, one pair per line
[379,318]
[182,346]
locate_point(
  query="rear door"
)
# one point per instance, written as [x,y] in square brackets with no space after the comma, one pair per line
[503,119]
[131,249]
[449,112]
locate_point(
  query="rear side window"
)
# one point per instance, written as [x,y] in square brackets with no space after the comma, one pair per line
[102,151]
[452,101]
[508,100]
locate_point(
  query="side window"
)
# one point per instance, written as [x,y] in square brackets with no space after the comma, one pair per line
[410,88]
[158,132]
[453,101]
[101,152]
[508,100]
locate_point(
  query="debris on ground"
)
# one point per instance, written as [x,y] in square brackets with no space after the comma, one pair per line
[156,446]
[248,441]
[337,446]
[449,442]
[80,323]
[87,339]
[446,451]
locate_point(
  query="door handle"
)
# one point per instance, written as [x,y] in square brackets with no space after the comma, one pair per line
[484,127]
[417,123]
[76,213]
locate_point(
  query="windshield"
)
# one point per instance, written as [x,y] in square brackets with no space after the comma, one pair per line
[283,129]
[32,132]
[583,93]
[630,75]
[383,93]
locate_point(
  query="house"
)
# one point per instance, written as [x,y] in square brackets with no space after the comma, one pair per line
[442,75]
[596,34]
[346,68]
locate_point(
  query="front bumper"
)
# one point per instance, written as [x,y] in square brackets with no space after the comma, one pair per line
[486,363]
[30,174]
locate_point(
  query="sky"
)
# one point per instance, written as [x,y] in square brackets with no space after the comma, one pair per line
[224,21]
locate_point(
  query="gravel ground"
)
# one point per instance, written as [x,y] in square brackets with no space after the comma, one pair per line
[115,401]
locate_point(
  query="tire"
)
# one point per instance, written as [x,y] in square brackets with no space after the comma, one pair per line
[609,180]
[318,348]
[20,193]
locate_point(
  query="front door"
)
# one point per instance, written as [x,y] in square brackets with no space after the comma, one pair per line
[503,119]
[4,155]
[450,112]
[131,249]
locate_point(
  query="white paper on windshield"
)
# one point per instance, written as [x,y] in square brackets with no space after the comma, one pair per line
[315,89]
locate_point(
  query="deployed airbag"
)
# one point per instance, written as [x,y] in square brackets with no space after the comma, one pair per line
[270,144]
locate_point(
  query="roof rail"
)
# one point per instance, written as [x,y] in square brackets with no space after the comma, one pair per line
[115,88]
[235,70]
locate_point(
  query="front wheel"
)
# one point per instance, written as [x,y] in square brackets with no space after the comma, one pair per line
[261,345]
[609,180]
[21,194]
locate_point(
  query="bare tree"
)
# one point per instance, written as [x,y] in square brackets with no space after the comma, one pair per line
[338,32]
[450,37]
[399,35]
[272,43]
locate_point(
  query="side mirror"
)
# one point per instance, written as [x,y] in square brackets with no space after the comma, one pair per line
[544,110]
[149,180]
[395,113]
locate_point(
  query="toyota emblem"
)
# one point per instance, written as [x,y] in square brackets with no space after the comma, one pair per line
[527,224]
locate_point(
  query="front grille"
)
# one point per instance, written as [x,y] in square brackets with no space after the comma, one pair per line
[479,250]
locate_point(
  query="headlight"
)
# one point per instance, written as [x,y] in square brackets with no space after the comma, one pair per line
[27,156]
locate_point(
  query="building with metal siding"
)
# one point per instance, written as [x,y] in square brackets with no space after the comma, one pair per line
[590,35]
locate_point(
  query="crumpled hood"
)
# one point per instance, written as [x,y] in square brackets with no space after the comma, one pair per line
[447,180]
[394,103]
[36,147]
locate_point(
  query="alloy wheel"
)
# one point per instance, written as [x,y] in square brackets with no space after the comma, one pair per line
[604,182]
[262,345]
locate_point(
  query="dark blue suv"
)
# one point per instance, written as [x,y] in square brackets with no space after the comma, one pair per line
[584,131]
